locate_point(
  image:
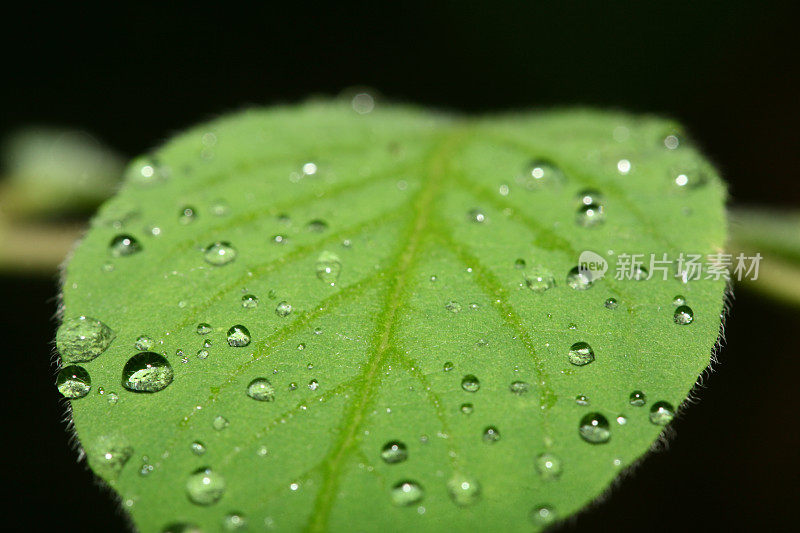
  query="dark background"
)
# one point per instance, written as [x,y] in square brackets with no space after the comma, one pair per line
[728,71]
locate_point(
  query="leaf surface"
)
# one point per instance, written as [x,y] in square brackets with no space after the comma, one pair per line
[402,277]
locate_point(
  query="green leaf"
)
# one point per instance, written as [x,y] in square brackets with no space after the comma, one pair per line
[402,358]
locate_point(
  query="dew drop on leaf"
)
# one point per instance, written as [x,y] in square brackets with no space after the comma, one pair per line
[590,215]
[679,300]
[611,303]
[198,448]
[407,493]
[467,408]
[519,387]
[470,383]
[548,466]
[543,173]
[579,279]
[124,245]
[219,253]
[637,398]
[283,309]
[491,435]
[683,315]
[187,215]
[205,487]
[204,329]
[82,339]
[143,343]
[249,301]
[220,422]
[73,381]
[594,428]
[147,372]
[328,267]
[238,336]
[582,400]
[234,522]
[543,515]
[464,490]
[661,413]
[539,279]
[261,389]
[581,354]
[453,306]
[394,452]
[448,366]
[317,226]
[477,216]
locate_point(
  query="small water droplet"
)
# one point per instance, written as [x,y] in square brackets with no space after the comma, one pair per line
[82,339]
[590,215]
[582,400]
[637,398]
[623,166]
[543,515]
[543,173]
[594,428]
[202,353]
[579,279]
[611,303]
[690,178]
[581,354]
[519,264]
[317,226]
[662,413]
[283,309]
[683,315]
[328,267]
[491,435]
[394,452]
[124,245]
[204,329]
[452,306]
[679,300]
[280,239]
[477,216]
[363,103]
[111,454]
[238,336]
[519,387]
[205,487]
[187,215]
[313,384]
[220,422]
[467,408]
[463,490]
[147,372]
[671,142]
[197,447]
[234,522]
[219,253]
[261,389]
[73,382]
[143,343]
[249,301]
[470,383]
[548,466]
[589,197]
[113,398]
[539,279]
[220,208]
[448,366]
[407,493]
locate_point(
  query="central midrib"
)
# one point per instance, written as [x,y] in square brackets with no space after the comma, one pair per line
[422,203]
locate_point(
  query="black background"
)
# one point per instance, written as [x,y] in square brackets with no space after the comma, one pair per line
[133,76]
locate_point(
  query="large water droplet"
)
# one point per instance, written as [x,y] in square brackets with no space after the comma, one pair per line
[548,466]
[261,389]
[590,215]
[238,336]
[283,309]
[147,372]
[579,279]
[124,245]
[539,279]
[683,315]
[407,493]
[328,267]
[394,452]
[464,490]
[594,428]
[82,339]
[662,413]
[581,354]
[205,487]
[470,383]
[219,253]
[73,382]
[637,398]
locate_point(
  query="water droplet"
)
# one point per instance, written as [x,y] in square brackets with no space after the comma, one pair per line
[363,103]
[452,306]
[113,398]
[589,197]
[691,178]
[147,372]
[448,366]
[238,336]
[313,384]
[249,301]
[582,400]
[198,448]
[407,493]
[73,382]
[539,279]
[579,279]
[219,253]
[637,398]
[671,142]
[145,171]
[543,515]
[234,522]
[548,466]
[283,309]
[581,354]
[590,215]
[328,267]
[470,383]
[679,300]
[519,387]
[187,215]
[594,428]
[146,467]
[205,487]
[621,420]
[202,353]
[394,452]
[683,315]
[623,166]
[477,216]
[280,239]
[143,343]
[261,389]
[220,208]
[464,491]
[204,329]
[220,422]
[467,408]
[111,454]
[662,413]
[543,173]
[317,226]
[491,435]
[82,339]
[124,245]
